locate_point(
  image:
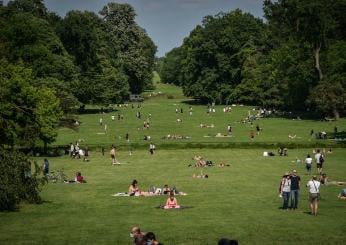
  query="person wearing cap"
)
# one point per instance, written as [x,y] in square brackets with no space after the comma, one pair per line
[295,184]
[314,194]
[285,189]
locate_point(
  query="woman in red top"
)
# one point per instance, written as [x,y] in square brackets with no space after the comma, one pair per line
[171,202]
[79,178]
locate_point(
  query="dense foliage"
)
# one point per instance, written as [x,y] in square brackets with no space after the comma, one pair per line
[287,62]
[48,65]
[18,182]
[85,57]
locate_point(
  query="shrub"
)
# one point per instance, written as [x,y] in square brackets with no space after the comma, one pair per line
[17,182]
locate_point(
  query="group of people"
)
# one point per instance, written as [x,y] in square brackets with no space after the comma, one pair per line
[77,152]
[289,190]
[134,190]
[175,137]
[148,238]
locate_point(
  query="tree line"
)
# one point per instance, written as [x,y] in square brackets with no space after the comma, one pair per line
[292,60]
[49,65]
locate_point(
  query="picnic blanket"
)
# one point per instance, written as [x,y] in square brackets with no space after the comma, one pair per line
[125,194]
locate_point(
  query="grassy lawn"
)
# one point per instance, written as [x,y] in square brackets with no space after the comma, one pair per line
[163,121]
[240,201]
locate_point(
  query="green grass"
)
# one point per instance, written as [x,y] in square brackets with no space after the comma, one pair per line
[239,202]
[163,122]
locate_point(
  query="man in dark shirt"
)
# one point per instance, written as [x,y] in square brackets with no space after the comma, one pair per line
[295,183]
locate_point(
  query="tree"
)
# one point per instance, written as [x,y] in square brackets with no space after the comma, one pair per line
[17,180]
[329,97]
[308,21]
[136,49]
[171,67]
[27,114]
[212,56]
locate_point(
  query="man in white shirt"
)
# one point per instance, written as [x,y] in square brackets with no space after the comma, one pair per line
[314,194]
[308,162]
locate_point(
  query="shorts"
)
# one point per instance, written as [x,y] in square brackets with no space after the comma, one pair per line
[319,165]
[308,166]
[113,156]
[313,197]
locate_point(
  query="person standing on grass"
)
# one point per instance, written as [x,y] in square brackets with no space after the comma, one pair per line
[86,154]
[112,153]
[45,167]
[229,130]
[308,163]
[314,194]
[285,190]
[258,129]
[295,184]
[318,158]
[71,149]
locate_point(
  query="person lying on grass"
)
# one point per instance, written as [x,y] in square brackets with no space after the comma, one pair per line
[200,176]
[342,194]
[325,180]
[171,202]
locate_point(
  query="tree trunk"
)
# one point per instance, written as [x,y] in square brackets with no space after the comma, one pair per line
[336,114]
[317,60]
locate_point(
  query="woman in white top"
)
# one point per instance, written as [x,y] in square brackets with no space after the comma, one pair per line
[314,194]
[308,163]
[285,190]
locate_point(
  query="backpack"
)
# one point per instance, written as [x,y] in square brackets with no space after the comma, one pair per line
[321,159]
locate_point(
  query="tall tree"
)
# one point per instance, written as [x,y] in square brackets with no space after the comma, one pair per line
[137,51]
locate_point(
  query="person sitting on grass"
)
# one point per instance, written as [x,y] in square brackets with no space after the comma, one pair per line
[133,189]
[342,194]
[166,190]
[171,202]
[137,235]
[79,179]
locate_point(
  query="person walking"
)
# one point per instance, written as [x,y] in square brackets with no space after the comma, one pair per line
[314,194]
[319,158]
[295,184]
[285,190]
[308,163]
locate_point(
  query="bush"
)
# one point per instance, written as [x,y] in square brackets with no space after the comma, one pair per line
[17,182]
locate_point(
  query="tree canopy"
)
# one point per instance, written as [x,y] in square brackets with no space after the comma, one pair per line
[283,62]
